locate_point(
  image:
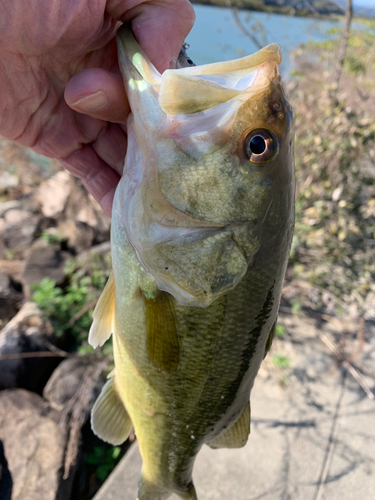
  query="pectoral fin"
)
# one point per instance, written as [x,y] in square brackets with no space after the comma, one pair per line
[109,419]
[236,436]
[163,343]
[104,314]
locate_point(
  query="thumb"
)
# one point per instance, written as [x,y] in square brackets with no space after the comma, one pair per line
[160,26]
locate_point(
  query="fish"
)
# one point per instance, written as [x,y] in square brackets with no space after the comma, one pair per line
[202,225]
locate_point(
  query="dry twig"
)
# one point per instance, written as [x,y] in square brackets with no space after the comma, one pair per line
[345,363]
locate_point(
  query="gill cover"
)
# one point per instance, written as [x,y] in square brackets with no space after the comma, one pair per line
[194,260]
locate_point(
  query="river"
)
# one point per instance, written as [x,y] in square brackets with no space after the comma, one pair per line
[216,35]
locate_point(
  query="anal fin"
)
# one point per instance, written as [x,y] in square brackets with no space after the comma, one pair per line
[103,316]
[109,419]
[235,436]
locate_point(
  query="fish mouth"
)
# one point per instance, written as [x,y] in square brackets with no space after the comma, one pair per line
[196,88]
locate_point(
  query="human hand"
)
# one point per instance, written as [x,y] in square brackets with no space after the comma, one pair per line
[48,47]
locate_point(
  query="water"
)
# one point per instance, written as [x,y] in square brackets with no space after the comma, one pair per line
[217,37]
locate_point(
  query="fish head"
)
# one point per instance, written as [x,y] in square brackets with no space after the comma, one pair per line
[210,156]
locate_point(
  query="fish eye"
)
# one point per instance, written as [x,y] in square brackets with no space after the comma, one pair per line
[260,146]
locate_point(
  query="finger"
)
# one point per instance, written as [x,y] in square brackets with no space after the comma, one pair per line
[99,178]
[110,146]
[99,93]
[159,26]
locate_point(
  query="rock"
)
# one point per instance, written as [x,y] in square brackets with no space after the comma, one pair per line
[85,256]
[8,181]
[4,282]
[79,236]
[369,307]
[84,208]
[14,268]
[16,216]
[10,298]
[93,215]
[26,332]
[9,205]
[2,244]
[43,261]
[67,379]
[5,477]
[73,389]
[34,445]
[54,192]
[19,229]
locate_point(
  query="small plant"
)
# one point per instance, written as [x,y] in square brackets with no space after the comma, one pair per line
[280,331]
[105,459]
[280,361]
[70,309]
[61,305]
[296,306]
[52,237]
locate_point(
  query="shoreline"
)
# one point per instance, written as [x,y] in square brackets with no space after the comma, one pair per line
[286,10]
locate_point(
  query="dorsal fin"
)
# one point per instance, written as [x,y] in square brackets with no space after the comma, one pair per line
[104,315]
[163,343]
[235,436]
[109,419]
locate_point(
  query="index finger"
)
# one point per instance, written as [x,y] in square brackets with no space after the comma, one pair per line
[160,26]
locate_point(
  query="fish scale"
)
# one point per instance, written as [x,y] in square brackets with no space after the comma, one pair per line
[193,300]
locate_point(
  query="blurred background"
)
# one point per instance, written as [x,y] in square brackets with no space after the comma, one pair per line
[54,262]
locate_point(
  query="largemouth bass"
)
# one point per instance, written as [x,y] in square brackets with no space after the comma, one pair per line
[202,226]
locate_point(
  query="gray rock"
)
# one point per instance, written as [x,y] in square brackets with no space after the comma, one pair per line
[4,282]
[14,268]
[43,261]
[83,208]
[72,390]
[9,205]
[34,445]
[2,244]
[54,192]
[16,216]
[8,181]
[67,380]
[26,332]
[79,236]
[6,482]
[19,229]
[10,298]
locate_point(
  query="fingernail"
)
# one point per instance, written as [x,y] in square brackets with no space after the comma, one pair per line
[93,102]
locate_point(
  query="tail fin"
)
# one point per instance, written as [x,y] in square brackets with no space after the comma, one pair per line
[150,491]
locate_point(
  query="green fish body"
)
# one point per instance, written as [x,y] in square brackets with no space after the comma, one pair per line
[201,232]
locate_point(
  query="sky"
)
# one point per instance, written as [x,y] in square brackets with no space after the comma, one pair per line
[361,3]
[358,3]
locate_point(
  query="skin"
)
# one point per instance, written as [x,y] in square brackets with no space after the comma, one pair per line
[61,93]
[185,393]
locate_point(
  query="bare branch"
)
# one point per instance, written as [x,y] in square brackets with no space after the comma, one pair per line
[38,354]
[337,72]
